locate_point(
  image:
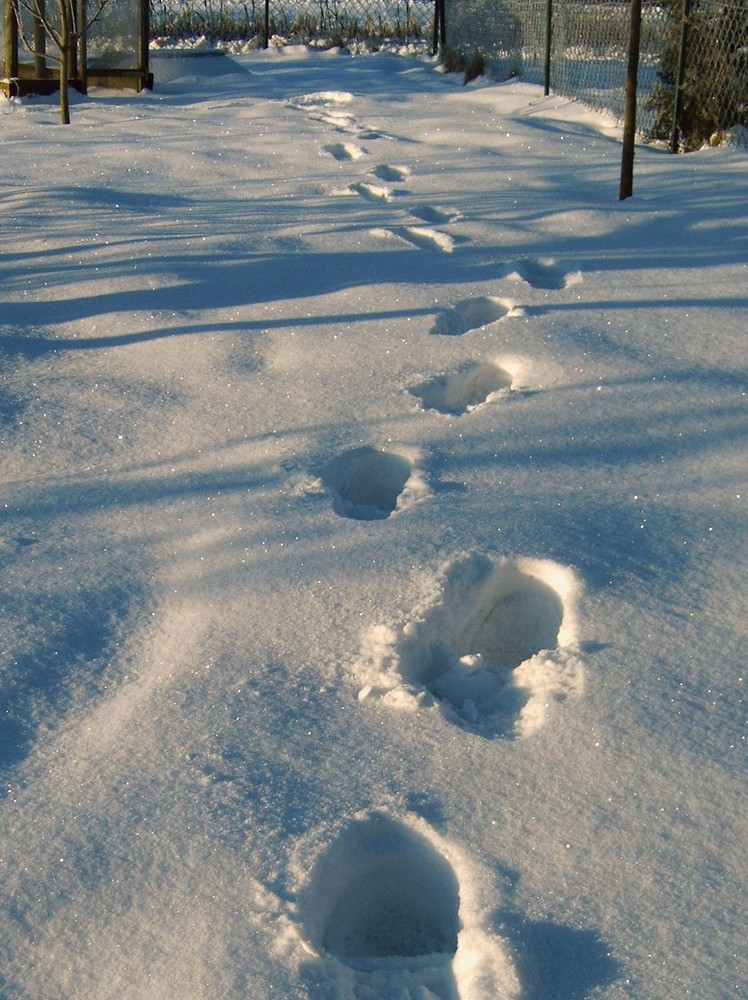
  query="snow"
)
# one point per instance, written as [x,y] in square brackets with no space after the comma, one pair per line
[373,543]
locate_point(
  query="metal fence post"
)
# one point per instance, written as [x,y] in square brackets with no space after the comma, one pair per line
[548,33]
[440,26]
[267,23]
[629,114]
[679,70]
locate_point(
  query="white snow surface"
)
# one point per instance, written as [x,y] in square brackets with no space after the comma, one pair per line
[373,543]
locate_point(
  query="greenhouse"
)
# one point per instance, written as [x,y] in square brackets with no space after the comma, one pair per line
[105,41]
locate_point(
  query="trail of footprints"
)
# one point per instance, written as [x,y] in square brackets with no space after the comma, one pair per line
[332,109]
[381,909]
[490,654]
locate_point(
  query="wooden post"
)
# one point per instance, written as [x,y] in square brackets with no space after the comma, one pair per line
[629,114]
[40,40]
[81,68]
[11,41]
[143,37]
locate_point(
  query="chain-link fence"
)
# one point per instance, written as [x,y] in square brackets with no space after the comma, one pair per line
[332,22]
[693,60]
[693,54]
[702,90]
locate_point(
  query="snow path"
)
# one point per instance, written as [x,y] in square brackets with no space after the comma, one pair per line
[373,564]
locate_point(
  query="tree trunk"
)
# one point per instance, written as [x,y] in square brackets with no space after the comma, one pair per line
[66,40]
[64,96]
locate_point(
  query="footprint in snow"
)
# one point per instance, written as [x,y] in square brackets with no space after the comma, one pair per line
[328,107]
[342,121]
[494,652]
[371,192]
[11,545]
[369,485]
[436,216]
[365,190]
[464,389]
[392,175]
[382,912]
[422,237]
[322,99]
[339,120]
[472,314]
[345,151]
[546,273]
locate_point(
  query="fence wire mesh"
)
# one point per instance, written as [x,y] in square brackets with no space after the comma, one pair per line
[588,54]
[693,63]
[330,22]
[702,91]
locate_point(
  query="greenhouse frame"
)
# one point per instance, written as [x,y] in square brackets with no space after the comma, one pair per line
[108,45]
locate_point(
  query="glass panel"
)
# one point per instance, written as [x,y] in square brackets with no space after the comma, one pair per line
[113,38]
[36,39]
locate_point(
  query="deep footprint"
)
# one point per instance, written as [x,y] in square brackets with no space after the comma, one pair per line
[371,192]
[389,909]
[383,902]
[546,273]
[392,175]
[339,120]
[464,389]
[472,314]
[436,216]
[492,653]
[382,891]
[367,483]
[345,151]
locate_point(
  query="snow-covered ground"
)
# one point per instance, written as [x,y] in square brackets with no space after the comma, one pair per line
[373,539]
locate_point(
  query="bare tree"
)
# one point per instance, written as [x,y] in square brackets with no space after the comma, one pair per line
[65,25]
